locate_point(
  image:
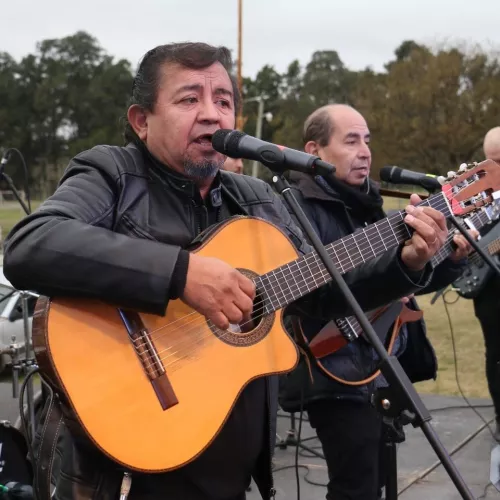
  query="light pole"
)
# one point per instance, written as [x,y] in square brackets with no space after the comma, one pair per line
[258,129]
[239,118]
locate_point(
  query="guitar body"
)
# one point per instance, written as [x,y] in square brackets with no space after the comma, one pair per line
[83,348]
[331,339]
[474,279]
[476,275]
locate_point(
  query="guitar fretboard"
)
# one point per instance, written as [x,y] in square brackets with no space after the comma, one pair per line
[478,220]
[288,283]
[350,325]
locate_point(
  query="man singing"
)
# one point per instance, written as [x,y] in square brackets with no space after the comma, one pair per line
[117,229]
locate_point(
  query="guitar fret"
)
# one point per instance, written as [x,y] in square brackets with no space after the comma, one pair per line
[262,291]
[359,249]
[311,274]
[369,244]
[324,275]
[335,258]
[283,293]
[294,280]
[382,239]
[346,254]
[408,232]
[393,232]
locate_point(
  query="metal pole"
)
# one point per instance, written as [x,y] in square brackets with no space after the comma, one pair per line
[239,118]
[258,134]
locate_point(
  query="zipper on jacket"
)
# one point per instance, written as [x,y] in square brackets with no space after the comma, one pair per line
[200,212]
[197,224]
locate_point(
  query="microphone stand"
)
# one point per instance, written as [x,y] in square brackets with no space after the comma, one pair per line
[400,399]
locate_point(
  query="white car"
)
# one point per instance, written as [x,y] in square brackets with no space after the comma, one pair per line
[11,319]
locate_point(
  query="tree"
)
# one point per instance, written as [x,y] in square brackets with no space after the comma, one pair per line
[67,96]
[430,111]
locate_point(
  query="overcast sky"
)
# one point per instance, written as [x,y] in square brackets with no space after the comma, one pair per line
[364,32]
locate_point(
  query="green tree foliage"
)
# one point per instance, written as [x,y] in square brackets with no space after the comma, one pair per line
[66,97]
[428,110]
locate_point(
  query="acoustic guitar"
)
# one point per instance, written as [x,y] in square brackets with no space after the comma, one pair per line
[386,321]
[152,392]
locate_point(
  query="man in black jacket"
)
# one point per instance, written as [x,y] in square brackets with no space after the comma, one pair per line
[117,229]
[347,425]
[487,303]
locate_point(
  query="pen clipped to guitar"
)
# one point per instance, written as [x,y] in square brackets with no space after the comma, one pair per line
[136,382]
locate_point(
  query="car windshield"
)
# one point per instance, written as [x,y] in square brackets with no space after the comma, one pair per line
[5,292]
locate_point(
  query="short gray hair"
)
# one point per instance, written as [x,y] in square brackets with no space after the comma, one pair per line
[318,127]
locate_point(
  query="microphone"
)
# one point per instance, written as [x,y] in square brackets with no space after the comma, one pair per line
[236,144]
[397,175]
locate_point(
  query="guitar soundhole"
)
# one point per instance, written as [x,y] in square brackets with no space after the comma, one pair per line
[250,331]
[250,324]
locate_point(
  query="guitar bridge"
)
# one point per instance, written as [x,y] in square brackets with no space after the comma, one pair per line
[148,356]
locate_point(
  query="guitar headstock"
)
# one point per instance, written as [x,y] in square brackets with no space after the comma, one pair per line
[472,187]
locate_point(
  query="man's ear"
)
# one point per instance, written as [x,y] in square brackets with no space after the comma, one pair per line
[312,148]
[138,121]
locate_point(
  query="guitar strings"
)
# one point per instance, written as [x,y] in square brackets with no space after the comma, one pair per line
[228,332]
[203,319]
[222,333]
[450,236]
[311,257]
[443,253]
[440,256]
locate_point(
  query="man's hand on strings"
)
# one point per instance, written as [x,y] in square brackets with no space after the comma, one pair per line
[429,235]
[464,248]
[218,291]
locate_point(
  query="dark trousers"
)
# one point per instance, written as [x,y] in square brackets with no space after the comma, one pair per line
[351,436]
[487,309]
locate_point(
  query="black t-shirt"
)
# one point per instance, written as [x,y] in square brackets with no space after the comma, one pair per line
[223,470]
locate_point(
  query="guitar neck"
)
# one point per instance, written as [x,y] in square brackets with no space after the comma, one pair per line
[478,220]
[284,285]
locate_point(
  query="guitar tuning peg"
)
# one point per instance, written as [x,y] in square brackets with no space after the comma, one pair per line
[463,167]
[451,174]
[441,179]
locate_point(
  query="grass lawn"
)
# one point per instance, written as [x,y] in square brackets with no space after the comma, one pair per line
[467,333]
[10,213]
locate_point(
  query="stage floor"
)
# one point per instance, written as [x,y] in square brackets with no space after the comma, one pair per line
[420,476]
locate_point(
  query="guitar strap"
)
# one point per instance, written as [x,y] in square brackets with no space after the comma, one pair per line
[43,464]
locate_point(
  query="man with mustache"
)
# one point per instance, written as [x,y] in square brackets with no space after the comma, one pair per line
[117,229]
[348,426]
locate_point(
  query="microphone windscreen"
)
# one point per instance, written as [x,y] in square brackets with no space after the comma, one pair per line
[226,141]
[385,173]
